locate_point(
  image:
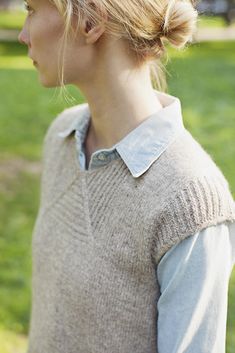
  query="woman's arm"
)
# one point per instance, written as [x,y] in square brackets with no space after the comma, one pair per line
[193,278]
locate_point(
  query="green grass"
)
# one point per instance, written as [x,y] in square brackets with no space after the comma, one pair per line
[12,19]
[19,196]
[24,122]
[13,56]
[202,76]
[11,342]
[33,108]
[211,21]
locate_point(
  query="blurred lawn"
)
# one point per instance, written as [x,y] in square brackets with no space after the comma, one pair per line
[203,78]
[212,21]
[12,19]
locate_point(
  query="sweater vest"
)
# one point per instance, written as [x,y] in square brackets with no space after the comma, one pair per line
[100,234]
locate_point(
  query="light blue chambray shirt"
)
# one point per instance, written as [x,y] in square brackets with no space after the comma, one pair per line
[193,275]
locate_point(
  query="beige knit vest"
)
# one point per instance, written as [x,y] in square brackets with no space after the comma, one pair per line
[100,235]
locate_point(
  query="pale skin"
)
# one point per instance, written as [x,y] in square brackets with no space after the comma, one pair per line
[120,95]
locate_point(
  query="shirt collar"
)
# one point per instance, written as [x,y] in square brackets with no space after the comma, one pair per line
[143,145]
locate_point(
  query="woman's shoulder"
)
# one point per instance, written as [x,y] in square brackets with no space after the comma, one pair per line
[189,159]
[65,120]
[188,172]
[193,191]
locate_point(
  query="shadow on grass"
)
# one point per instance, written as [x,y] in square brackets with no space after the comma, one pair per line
[12,48]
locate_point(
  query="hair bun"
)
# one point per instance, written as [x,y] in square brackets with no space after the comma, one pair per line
[179,21]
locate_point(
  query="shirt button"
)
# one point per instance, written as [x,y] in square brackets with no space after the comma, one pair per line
[101,156]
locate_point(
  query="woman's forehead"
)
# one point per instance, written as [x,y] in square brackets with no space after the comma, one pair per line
[40,2]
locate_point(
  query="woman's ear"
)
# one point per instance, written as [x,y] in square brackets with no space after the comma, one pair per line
[93,31]
[88,26]
[93,34]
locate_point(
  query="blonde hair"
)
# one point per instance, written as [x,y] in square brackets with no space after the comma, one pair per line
[146,25]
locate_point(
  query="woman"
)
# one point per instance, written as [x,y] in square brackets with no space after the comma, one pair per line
[133,245]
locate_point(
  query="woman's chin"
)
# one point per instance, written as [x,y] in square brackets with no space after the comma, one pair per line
[45,82]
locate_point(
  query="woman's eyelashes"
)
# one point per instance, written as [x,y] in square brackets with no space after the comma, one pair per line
[27,7]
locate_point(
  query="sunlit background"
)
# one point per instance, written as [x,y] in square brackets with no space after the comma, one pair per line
[203,76]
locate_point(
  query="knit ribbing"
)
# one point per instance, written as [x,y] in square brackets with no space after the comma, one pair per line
[100,235]
[203,202]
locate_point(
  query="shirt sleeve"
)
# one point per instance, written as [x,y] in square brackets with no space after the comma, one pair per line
[194,277]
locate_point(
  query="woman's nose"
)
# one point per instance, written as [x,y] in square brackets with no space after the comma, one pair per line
[23,37]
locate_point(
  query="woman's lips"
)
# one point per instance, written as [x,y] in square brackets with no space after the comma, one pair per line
[34,62]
